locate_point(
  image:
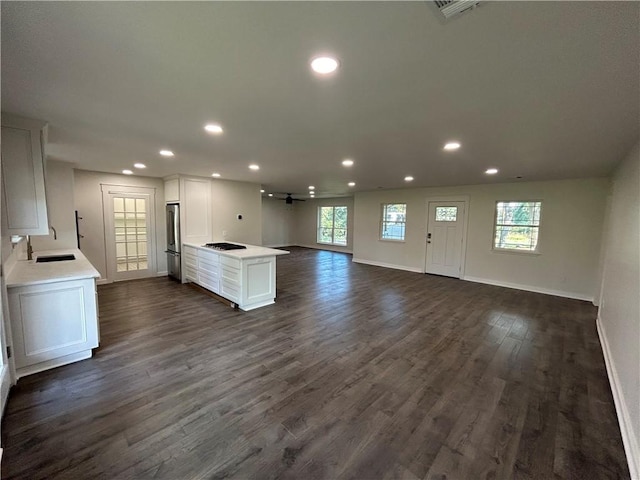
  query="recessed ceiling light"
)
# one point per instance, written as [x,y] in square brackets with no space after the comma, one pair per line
[352,184]
[139,165]
[166,153]
[311,187]
[271,194]
[491,171]
[347,162]
[324,65]
[253,166]
[452,146]
[261,190]
[127,172]
[213,128]
[408,178]
[216,174]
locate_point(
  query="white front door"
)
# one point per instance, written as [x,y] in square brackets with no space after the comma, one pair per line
[445,228]
[129,232]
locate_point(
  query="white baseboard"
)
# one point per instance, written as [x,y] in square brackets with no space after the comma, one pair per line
[387,265]
[529,288]
[103,281]
[162,274]
[629,438]
[325,247]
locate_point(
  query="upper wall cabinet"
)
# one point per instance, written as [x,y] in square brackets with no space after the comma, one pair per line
[172,190]
[23,189]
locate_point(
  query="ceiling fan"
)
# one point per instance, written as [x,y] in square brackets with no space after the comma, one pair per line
[289,199]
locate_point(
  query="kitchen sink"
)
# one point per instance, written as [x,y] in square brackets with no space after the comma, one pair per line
[55,258]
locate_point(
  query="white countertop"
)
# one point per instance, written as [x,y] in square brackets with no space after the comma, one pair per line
[28,272]
[252,251]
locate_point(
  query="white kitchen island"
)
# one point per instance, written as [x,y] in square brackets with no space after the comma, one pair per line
[245,277]
[53,311]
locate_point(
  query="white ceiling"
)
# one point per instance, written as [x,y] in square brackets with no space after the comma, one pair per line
[542,90]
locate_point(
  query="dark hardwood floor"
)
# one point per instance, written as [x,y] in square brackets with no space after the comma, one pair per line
[356,372]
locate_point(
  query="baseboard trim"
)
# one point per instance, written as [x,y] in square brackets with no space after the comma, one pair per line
[629,439]
[529,288]
[325,247]
[103,281]
[387,265]
[162,274]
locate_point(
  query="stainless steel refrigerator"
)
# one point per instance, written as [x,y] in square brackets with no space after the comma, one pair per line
[173,241]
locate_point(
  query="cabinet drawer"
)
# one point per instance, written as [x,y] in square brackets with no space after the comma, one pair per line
[230,274]
[210,268]
[230,290]
[187,250]
[208,256]
[190,273]
[209,282]
[190,260]
[230,262]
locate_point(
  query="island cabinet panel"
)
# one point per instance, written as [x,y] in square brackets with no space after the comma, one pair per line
[53,324]
[208,270]
[190,258]
[260,275]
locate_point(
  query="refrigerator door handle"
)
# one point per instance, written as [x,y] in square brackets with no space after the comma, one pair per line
[175,254]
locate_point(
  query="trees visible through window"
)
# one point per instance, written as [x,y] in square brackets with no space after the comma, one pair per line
[517,226]
[394,220]
[332,225]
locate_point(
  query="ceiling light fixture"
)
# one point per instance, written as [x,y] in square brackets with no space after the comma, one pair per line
[215,174]
[139,165]
[127,172]
[213,128]
[166,153]
[352,184]
[452,146]
[408,178]
[253,166]
[271,194]
[491,171]
[347,162]
[324,65]
[261,190]
[311,187]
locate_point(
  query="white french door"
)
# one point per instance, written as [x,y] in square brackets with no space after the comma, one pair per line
[445,238]
[129,221]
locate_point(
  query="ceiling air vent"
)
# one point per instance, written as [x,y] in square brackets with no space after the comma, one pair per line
[449,8]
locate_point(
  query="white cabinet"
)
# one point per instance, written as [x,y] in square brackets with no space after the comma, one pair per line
[172,190]
[209,270]
[195,209]
[53,324]
[24,197]
[190,261]
[231,273]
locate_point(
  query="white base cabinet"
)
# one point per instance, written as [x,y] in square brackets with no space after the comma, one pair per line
[53,324]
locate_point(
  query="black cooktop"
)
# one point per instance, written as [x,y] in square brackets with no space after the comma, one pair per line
[224,246]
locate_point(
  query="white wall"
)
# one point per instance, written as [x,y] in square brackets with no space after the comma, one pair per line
[570,234]
[306,222]
[278,223]
[60,208]
[88,202]
[619,313]
[230,199]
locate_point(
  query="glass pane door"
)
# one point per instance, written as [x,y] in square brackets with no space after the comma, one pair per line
[130,229]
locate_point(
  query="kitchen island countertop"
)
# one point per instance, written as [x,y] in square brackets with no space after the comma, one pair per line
[252,251]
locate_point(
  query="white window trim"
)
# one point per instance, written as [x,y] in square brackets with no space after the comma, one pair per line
[392,240]
[515,251]
[334,226]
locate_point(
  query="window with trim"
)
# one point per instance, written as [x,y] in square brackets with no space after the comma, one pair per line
[332,225]
[517,226]
[394,221]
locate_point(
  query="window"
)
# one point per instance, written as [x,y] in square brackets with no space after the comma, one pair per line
[332,225]
[446,214]
[394,219]
[517,226]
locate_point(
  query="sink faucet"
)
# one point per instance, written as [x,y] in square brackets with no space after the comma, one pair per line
[29,248]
